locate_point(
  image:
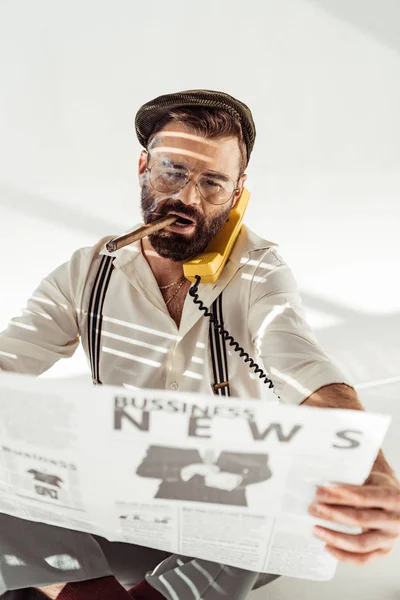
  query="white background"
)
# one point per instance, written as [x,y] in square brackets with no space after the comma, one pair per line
[322,78]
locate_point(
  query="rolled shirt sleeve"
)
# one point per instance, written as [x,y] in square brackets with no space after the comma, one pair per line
[295,362]
[47,329]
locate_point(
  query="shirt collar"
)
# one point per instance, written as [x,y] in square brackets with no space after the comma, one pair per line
[246,243]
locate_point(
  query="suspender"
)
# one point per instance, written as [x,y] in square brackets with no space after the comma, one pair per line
[95,320]
[218,352]
[95,316]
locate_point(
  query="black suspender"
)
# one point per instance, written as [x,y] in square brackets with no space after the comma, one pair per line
[95,319]
[95,316]
[218,352]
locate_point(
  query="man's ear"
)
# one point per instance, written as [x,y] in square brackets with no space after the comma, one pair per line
[240,190]
[142,166]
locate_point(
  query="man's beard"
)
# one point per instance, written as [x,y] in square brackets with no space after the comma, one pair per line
[173,245]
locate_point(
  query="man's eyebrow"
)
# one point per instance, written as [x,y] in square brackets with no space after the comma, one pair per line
[175,165]
[217,175]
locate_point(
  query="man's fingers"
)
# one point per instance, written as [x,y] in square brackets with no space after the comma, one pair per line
[377,496]
[362,543]
[366,518]
[354,558]
[374,508]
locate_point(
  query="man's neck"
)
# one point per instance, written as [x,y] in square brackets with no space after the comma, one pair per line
[164,270]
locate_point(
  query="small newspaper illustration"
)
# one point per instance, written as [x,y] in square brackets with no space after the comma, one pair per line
[223,479]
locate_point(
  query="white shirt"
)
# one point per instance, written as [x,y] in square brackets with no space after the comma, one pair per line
[141,345]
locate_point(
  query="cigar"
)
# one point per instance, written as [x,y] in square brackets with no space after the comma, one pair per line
[133,236]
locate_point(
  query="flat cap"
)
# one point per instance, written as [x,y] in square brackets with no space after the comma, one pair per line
[152,111]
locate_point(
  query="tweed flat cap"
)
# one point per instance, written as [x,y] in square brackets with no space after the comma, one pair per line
[150,113]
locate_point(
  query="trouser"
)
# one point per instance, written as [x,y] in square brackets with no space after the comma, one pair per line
[34,555]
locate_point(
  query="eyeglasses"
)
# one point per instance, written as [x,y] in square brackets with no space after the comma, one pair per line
[168,177]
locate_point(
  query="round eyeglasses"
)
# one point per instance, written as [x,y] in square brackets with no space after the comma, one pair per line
[168,178]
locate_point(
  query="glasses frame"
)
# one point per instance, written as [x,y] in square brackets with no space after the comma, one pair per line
[148,169]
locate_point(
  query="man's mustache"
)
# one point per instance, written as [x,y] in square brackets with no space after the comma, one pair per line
[179,208]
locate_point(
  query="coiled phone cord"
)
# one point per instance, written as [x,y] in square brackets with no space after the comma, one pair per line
[232,342]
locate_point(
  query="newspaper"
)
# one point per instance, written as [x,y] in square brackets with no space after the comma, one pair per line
[222,479]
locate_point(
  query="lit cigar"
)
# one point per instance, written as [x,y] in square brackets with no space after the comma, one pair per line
[133,236]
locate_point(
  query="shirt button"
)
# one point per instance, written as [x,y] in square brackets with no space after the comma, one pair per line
[174,385]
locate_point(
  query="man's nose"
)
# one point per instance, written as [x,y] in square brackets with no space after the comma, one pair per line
[189,194]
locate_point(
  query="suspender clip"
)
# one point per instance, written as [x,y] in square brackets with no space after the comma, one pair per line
[218,386]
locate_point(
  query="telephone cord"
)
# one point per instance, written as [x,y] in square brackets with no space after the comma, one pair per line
[232,342]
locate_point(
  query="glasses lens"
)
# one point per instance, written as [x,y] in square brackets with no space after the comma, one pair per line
[216,190]
[168,178]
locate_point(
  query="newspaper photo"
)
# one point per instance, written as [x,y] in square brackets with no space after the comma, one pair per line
[223,479]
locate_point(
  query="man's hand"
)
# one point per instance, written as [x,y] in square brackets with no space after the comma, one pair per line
[373,506]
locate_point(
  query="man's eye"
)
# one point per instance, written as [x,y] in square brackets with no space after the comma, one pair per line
[211,183]
[174,175]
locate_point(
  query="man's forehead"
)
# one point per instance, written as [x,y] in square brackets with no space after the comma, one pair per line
[179,136]
[182,145]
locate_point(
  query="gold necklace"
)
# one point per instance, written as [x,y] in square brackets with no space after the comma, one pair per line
[165,287]
[175,293]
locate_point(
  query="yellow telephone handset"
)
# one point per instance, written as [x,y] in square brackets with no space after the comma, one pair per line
[210,264]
